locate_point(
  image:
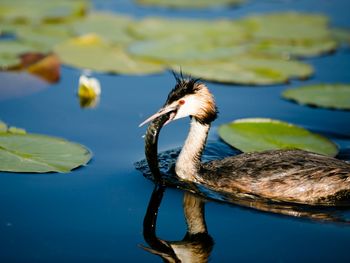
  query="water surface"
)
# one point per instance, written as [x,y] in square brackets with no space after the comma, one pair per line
[95,213]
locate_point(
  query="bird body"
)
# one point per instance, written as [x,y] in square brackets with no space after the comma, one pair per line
[280,175]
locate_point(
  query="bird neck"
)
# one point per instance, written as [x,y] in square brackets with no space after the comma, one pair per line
[194,214]
[188,163]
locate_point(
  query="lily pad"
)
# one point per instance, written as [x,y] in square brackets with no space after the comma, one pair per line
[185,40]
[44,36]
[25,152]
[302,48]
[36,11]
[227,72]
[111,27]
[260,134]
[288,26]
[248,70]
[218,31]
[342,35]
[261,63]
[3,127]
[92,52]
[12,48]
[47,68]
[189,3]
[334,96]
[7,62]
[181,49]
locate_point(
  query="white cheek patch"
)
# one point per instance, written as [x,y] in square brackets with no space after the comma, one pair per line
[190,107]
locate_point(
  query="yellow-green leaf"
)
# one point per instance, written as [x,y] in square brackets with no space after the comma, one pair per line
[189,3]
[92,52]
[25,152]
[259,134]
[335,96]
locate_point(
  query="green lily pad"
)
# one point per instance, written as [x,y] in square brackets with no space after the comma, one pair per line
[334,96]
[341,35]
[3,127]
[44,36]
[186,40]
[36,11]
[180,49]
[247,70]
[92,52]
[12,48]
[260,134]
[15,130]
[214,31]
[10,51]
[8,61]
[190,3]
[231,73]
[111,27]
[288,26]
[25,152]
[303,48]
[261,63]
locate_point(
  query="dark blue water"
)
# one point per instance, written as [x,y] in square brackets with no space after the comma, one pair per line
[95,213]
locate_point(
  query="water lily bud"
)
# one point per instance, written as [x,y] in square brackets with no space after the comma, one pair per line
[89,88]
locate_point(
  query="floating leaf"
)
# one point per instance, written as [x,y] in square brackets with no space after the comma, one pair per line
[335,96]
[186,40]
[260,63]
[213,31]
[3,127]
[110,26]
[181,50]
[342,35]
[248,70]
[43,36]
[288,26]
[250,135]
[48,68]
[227,72]
[92,52]
[23,152]
[8,61]
[189,3]
[34,11]
[15,130]
[10,52]
[306,48]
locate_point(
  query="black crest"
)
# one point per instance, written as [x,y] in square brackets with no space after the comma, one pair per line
[184,86]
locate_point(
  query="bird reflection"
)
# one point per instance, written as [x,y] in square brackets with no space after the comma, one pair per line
[196,245]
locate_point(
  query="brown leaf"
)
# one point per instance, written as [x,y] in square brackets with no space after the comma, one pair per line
[31,58]
[47,68]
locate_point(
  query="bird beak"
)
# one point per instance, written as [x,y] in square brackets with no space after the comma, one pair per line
[161,112]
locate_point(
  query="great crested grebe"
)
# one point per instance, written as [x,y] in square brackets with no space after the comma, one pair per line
[280,175]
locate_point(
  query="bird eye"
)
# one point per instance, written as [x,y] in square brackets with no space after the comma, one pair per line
[181,102]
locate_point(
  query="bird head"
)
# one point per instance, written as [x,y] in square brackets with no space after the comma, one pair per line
[189,97]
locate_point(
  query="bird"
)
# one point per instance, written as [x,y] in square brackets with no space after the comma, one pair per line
[284,175]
